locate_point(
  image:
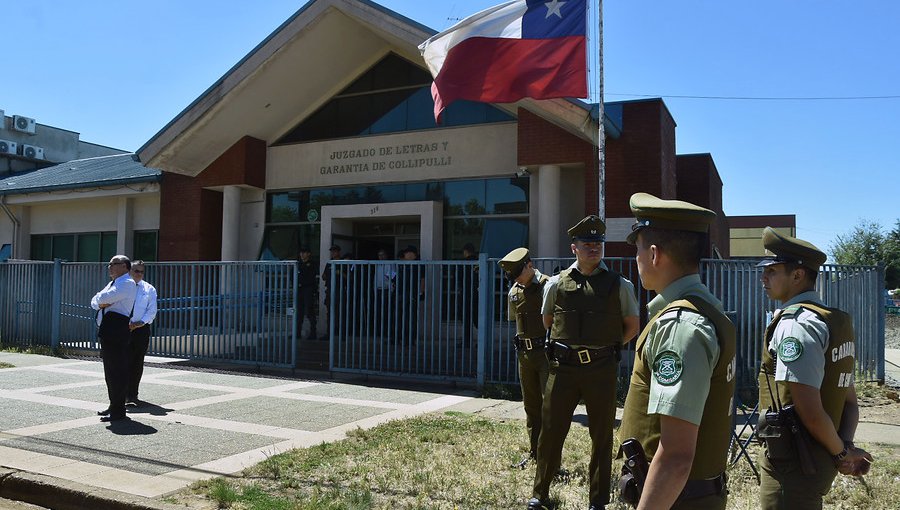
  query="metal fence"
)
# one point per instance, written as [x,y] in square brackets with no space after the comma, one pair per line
[437,320]
[238,312]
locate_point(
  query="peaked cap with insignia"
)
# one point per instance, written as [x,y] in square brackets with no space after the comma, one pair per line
[651,211]
[589,229]
[791,249]
[514,262]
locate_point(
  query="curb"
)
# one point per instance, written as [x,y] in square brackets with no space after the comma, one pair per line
[58,494]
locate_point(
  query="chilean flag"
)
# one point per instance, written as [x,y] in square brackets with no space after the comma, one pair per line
[521,48]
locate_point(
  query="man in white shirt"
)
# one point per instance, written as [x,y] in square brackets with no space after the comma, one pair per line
[115,304]
[144,313]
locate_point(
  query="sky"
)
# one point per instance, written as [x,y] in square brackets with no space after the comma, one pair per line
[117,72]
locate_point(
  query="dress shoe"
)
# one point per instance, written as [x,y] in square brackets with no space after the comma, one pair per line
[134,402]
[536,504]
[113,417]
[103,412]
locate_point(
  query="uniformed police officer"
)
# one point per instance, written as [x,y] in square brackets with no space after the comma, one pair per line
[525,297]
[679,401]
[808,362]
[591,312]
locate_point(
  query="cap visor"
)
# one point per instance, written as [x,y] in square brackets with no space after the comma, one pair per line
[769,262]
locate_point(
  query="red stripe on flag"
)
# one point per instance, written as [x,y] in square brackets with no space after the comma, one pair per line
[498,70]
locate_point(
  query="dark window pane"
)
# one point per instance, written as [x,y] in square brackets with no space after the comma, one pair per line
[107,245]
[64,247]
[507,196]
[280,243]
[458,232]
[41,248]
[145,245]
[345,196]
[501,236]
[464,198]
[89,248]
[284,207]
[420,110]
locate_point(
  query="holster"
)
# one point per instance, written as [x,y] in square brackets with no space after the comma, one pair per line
[634,472]
[786,438]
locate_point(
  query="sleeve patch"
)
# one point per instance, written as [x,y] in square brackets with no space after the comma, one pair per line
[790,349]
[667,368]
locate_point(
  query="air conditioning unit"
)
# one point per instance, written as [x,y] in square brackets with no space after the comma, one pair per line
[32,151]
[7,147]
[23,124]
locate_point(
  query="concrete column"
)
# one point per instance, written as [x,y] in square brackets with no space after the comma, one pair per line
[548,234]
[231,223]
[124,227]
[22,243]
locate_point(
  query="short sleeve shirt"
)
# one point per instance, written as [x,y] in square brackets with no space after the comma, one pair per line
[682,349]
[799,343]
[627,297]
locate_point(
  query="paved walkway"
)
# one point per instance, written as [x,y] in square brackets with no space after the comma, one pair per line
[206,424]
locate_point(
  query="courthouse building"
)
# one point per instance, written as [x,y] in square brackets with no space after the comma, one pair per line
[324,134]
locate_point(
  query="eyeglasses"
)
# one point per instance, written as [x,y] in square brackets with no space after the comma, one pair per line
[138,271]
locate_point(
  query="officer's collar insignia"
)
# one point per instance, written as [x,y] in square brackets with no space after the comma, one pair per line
[667,368]
[790,349]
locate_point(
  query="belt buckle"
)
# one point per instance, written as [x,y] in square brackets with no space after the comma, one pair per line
[584,356]
[528,345]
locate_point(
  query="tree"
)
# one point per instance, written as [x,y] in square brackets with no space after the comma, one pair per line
[867,244]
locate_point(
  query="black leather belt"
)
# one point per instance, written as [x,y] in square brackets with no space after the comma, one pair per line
[584,356]
[694,489]
[529,344]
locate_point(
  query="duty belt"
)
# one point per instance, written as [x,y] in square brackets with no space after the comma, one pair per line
[529,344]
[572,356]
[694,489]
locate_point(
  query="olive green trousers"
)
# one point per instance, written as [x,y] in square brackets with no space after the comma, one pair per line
[567,385]
[533,373]
[784,487]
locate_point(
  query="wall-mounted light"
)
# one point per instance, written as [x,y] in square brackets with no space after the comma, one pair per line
[522,172]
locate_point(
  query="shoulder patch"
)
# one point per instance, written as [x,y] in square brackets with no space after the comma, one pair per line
[667,368]
[790,349]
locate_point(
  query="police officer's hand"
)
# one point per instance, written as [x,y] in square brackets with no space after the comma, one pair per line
[856,463]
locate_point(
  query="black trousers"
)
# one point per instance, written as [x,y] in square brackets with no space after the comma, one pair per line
[140,341]
[115,349]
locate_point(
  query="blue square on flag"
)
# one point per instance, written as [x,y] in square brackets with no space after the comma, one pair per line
[556,18]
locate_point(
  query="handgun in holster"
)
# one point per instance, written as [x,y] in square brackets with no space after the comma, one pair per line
[784,434]
[634,472]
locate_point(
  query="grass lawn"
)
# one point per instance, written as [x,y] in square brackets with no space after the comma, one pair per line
[457,461]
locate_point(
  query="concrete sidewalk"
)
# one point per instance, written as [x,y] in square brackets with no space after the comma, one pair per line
[200,425]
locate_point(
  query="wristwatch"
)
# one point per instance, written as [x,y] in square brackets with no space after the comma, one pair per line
[840,456]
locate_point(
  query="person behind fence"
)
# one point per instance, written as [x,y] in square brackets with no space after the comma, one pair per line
[807,399]
[384,280]
[114,304]
[468,309]
[678,411]
[330,294]
[141,318]
[525,298]
[410,290]
[309,284]
[591,312]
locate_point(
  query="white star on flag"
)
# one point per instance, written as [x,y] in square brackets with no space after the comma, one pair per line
[553,8]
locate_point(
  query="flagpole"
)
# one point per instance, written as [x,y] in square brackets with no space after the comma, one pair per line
[601,137]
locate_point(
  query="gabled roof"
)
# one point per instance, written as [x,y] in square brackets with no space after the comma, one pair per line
[113,170]
[301,65]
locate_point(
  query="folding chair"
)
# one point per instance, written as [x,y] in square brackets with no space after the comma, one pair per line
[738,446]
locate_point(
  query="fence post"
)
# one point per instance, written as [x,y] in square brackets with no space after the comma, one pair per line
[56,303]
[485,319]
[879,331]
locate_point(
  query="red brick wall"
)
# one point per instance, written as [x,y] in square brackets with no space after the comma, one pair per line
[190,223]
[542,143]
[699,183]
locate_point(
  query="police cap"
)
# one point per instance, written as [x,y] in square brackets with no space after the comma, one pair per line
[589,229]
[651,211]
[791,249]
[514,262]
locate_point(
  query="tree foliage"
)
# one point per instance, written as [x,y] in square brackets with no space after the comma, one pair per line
[868,244]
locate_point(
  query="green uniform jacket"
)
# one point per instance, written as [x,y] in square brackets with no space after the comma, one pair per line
[715,425]
[525,307]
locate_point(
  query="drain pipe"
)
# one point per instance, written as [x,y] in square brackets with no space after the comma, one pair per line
[15,222]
